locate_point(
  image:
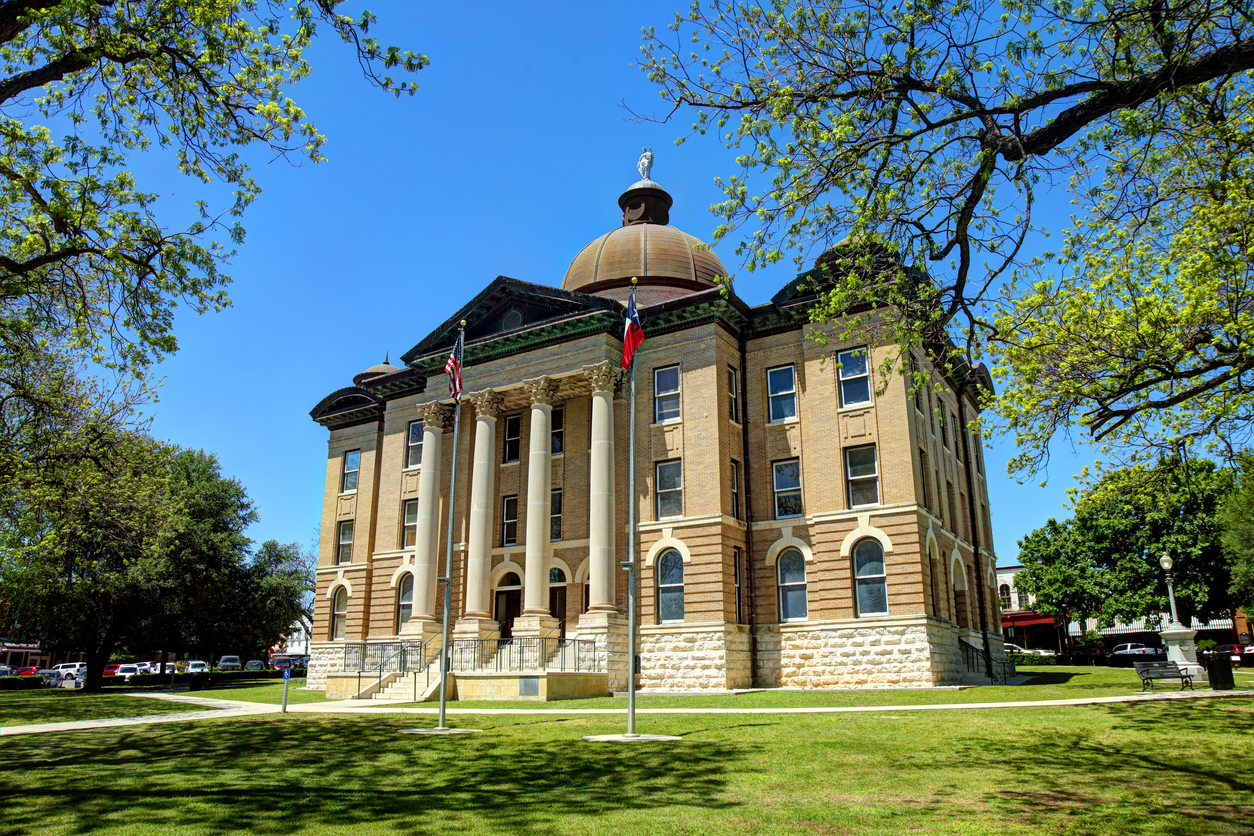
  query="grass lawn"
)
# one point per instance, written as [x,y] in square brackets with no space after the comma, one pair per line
[267,692]
[1048,682]
[59,705]
[1169,768]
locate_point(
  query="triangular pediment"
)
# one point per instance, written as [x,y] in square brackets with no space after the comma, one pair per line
[507,307]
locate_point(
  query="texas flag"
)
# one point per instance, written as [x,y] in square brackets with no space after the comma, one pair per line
[633,334]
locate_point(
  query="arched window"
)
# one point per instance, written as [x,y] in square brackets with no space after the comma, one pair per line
[792,586]
[339,613]
[670,587]
[404,600]
[510,579]
[870,577]
[557,575]
[1003,592]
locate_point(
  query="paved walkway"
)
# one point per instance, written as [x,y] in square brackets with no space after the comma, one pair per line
[234,708]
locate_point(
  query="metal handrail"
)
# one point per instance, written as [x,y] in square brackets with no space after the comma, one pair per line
[978,662]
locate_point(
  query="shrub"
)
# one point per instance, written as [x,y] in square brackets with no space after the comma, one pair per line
[1030,659]
[1207,644]
[21,683]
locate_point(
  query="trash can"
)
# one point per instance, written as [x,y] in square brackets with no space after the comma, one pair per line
[197,681]
[1219,672]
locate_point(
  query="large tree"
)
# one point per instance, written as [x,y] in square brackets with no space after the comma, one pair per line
[934,127]
[1107,554]
[88,265]
[1237,518]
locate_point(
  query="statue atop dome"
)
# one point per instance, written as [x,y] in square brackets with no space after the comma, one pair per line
[645,165]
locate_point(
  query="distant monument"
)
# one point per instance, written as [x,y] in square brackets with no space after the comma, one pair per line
[645,166]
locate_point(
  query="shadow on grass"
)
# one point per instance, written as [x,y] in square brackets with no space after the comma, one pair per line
[283,776]
[62,705]
[1157,768]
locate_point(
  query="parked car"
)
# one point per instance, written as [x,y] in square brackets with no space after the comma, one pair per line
[1232,651]
[67,670]
[127,671]
[279,663]
[111,670]
[5,670]
[255,665]
[230,663]
[1133,649]
[197,667]
[1033,651]
[29,670]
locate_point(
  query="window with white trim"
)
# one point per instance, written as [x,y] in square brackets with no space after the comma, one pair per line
[944,432]
[670,587]
[409,531]
[735,490]
[855,377]
[737,556]
[513,436]
[733,395]
[348,471]
[413,445]
[556,431]
[670,489]
[862,475]
[870,577]
[344,548]
[509,520]
[781,391]
[786,481]
[1003,592]
[791,571]
[666,395]
[339,613]
[555,515]
[404,600]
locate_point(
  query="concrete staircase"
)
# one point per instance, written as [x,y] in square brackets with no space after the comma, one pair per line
[406,685]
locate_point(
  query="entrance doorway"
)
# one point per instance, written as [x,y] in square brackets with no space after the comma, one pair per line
[508,603]
[557,597]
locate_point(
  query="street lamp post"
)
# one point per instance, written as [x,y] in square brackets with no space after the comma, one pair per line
[1165,562]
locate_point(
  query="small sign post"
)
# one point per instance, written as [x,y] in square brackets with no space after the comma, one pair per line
[287,677]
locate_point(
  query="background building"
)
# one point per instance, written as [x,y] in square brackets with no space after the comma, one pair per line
[802,522]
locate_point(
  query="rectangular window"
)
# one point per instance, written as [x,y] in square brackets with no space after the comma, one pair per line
[555,516]
[735,490]
[953,422]
[786,477]
[348,471]
[557,424]
[409,533]
[977,453]
[781,389]
[344,552]
[949,498]
[670,490]
[666,394]
[944,432]
[855,379]
[733,395]
[509,520]
[736,557]
[862,475]
[925,476]
[413,451]
[513,434]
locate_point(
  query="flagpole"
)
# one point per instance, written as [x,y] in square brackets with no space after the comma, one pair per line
[631,545]
[448,553]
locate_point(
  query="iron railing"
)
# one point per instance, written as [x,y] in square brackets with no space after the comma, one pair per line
[975,660]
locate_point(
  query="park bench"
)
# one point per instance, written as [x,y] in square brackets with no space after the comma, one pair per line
[1149,671]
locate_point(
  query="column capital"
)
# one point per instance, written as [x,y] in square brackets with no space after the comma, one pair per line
[436,415]
[487,403]
[604,377]
[541,390]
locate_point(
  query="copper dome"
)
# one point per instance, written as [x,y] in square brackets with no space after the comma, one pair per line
[646,247]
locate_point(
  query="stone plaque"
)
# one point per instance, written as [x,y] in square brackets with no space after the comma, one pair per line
[409,484]
[346,507]
[528,686]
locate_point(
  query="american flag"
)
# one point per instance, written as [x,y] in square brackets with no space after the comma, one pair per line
[453,368]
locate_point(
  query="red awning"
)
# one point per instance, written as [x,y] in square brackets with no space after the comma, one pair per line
[1026,619]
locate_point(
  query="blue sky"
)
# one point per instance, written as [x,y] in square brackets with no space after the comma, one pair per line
[508,160]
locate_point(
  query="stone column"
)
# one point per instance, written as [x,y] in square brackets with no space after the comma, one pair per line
[535,619]
[604,379]
[476,620]
[435,418]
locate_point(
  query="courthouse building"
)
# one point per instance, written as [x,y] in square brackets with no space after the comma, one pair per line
[800,522]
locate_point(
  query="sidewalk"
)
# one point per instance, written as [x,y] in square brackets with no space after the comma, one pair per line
[233,708]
